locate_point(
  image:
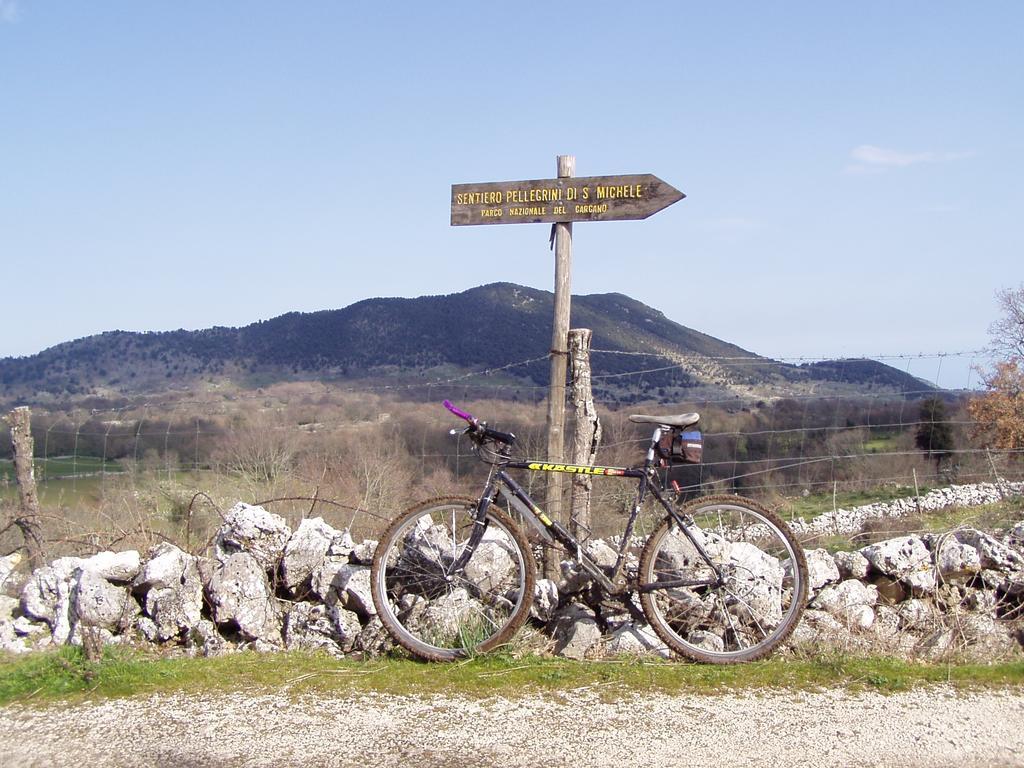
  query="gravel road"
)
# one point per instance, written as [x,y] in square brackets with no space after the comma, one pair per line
[930,727]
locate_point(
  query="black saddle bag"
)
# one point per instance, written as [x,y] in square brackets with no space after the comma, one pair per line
[681,447]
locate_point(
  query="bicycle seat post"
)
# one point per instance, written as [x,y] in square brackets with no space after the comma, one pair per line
[655,438]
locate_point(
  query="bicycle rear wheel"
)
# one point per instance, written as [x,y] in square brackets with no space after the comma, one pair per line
[435,602]
[746,609]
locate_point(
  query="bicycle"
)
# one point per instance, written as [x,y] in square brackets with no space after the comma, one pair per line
[720,580]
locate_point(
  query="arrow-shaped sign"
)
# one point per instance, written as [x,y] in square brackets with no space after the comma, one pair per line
[587,198]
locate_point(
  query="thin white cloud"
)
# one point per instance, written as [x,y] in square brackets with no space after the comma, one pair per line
[868,159]
[8,11]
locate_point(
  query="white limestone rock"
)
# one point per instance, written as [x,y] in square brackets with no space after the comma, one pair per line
[172,590]
[345,584]
[905,559]
[637,640]
[347,627]
[307,550]
[363,552]
[491,566]
[994,554]
[95,602]
[205,639]
[545,600]
[602,554]
[821,568]
[46,596]
[309,627]
[955,560]
[8,564]
[114,566]
[575,632]
[846,602]
[852,565]
[252,530]
[373,639]
[8,608]
[241,596]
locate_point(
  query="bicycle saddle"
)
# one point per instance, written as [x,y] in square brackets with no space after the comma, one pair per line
[680,420]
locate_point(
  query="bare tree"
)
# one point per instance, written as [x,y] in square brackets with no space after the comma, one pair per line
[377,474]
[1008,331]
[260,448]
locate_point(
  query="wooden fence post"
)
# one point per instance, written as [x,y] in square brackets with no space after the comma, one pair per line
[995,474]
[556,390]
[27,519]
[587,433]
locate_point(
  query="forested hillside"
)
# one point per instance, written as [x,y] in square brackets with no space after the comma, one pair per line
[426,339]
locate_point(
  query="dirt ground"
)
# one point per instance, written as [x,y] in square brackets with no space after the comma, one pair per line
[935,726]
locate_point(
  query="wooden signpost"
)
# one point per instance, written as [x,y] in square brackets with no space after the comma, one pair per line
[560,201]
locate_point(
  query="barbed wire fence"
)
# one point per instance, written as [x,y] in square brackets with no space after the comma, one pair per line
[82,444]
[165,452]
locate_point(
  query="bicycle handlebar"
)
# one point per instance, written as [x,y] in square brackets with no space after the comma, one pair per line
[482,429]
[459,412]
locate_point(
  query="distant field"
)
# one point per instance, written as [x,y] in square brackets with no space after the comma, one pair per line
[62,479]
[880,444]
[818,503]
[55,467]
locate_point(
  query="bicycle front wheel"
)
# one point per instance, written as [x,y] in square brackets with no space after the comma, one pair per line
[740,601]
[442,597]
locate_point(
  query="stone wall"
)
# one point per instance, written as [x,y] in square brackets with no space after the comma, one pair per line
[842,521]
[266,587]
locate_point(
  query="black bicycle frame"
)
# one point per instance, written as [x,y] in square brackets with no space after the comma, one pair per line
[499,481]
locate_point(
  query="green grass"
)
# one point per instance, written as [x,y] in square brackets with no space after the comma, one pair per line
[1000,515]
[816,504]
[67,675]
[84,491]
[879,444]
[55,467]
[62,491]
[62,479]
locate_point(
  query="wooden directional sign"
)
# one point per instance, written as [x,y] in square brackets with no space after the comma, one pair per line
[563,200]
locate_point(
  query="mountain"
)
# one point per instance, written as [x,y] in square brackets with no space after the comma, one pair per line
[639,353]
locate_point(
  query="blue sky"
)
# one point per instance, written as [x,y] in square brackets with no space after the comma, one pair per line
[853,170]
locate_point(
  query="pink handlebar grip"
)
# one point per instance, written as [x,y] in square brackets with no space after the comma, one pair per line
[458,412]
